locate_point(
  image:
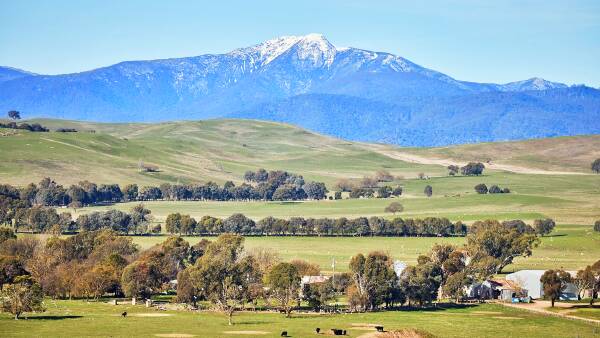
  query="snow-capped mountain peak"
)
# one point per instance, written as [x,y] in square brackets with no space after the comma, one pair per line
[312,46]
[316,49]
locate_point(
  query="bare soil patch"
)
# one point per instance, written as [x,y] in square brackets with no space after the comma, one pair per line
[174,335]
[246,332]
[404,333]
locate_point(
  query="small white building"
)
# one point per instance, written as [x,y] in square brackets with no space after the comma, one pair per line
[530,280]
[314,279]
[399,266]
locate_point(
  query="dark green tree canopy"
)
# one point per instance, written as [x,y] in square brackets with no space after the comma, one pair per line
[472,169]
[554,283]
[596,166]
[14,115]
[481,188]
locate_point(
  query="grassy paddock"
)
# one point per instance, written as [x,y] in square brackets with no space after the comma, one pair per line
[83,319]
[569,199]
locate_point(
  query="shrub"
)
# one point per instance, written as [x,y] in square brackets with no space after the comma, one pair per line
[481,188]
[596,166]
[383,176]
[394,207]
[494,189]
[428,191]
[473,169]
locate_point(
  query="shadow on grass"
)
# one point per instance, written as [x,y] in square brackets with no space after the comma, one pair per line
[586,306]
[439,307]
[53,317]
[289,203]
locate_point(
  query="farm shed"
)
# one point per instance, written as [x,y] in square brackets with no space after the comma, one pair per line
[530,280]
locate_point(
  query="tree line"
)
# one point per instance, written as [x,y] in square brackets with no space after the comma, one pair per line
[493,189]
[470,169]
[280,186]
[33,127]
[177,223]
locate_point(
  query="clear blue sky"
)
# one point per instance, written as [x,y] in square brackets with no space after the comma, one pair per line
[485,41]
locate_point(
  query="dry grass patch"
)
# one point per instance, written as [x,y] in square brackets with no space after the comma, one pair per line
[174,335]
[403,333]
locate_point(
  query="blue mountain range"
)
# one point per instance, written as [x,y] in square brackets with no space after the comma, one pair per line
[305,80]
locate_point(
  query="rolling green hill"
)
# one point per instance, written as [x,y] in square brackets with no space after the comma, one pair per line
[549,177]
[193,151]
[220,150]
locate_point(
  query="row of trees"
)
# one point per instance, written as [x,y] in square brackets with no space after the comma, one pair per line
[470,169]
[374,226]
[494,189]
[46,220]
[385,191]
[33,127]
[50,193]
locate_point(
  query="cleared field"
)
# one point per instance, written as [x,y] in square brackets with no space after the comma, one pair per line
[83,319]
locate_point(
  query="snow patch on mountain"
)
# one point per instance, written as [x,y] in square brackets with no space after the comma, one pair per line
[535,83]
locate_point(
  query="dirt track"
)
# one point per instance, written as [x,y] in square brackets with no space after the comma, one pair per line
[407,157]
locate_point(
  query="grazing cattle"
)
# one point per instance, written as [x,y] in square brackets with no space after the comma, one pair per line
[337,332]
[284,333]
[379,328]
[317,330]
[124,314]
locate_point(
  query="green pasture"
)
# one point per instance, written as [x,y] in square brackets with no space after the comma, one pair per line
[98,319]
[568,199]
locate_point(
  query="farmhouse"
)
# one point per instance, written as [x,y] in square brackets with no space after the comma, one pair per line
[498,288]
[530,280]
